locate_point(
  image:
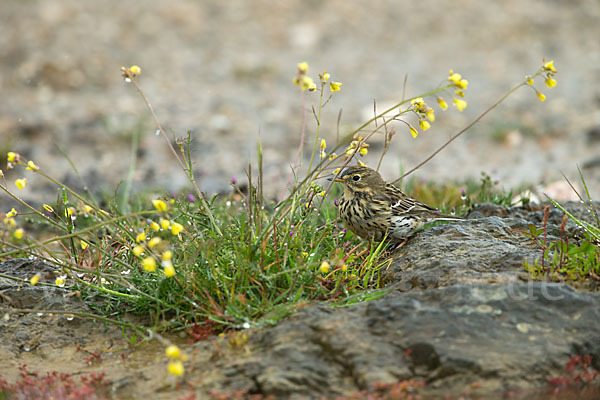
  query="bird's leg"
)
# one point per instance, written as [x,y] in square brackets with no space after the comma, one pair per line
[362,253]
[348,254]
[400,244]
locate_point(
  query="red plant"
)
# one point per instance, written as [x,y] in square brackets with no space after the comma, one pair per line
[578,371]
[55,385]
[202,332]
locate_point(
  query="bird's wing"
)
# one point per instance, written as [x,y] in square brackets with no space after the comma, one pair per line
[401,203]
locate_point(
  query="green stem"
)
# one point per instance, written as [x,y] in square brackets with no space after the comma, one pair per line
[179,160]
[442,147]
[312,156]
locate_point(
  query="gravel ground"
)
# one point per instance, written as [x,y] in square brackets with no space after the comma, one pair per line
[223,70]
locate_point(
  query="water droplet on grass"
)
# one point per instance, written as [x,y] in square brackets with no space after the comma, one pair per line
[157,132]
[128,80]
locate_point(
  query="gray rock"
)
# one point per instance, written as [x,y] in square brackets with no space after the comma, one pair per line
[463,252]
[509,336]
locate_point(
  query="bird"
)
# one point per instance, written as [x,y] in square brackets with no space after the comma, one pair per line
[375,209]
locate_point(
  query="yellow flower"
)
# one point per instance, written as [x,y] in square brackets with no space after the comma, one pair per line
[413,131]
[154,226]
[307,83]
[302,67]
[19,233]
[442,103]
[335,86]
[84,244]
[153,242]
[430,114]
[167,255]
[417,102]
[176,228]
[88,209]
[31,166]
[424,124]
[325,76]
[363,151]
[549,66]
[137,250]
[169,270]
[9,221]
[463,83]
[550,82]
[60,281]
[344,268]
[48,208]
[175,368]
[173,352]
[149,264]
[69,211]
[323,144]
[135,70]
[459,92]
[35,279]
[336,171]
[529,80]
[454,77]
[11,156]
[160,205]
[165,223]
[140,237]
[1,174]
[362,164]
[460,104]
[11,213]
[541,96]
[21,183]
[324,267]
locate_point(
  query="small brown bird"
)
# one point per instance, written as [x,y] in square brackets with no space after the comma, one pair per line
[371,208]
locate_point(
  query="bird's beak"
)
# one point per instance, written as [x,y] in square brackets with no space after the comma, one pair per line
[337,179]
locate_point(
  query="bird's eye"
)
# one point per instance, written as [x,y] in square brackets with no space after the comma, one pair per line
[356,178]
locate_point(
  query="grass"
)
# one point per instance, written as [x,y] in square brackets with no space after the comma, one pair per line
[568,258]
[205,264]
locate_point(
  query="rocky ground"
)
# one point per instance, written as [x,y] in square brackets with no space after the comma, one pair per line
[460,314]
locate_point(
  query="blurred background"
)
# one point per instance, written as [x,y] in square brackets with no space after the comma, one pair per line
[223,70]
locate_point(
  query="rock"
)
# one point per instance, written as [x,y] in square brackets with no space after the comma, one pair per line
[463,252]
[509,336]
[40,297]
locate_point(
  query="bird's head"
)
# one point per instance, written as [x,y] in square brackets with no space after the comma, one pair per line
[360,179]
